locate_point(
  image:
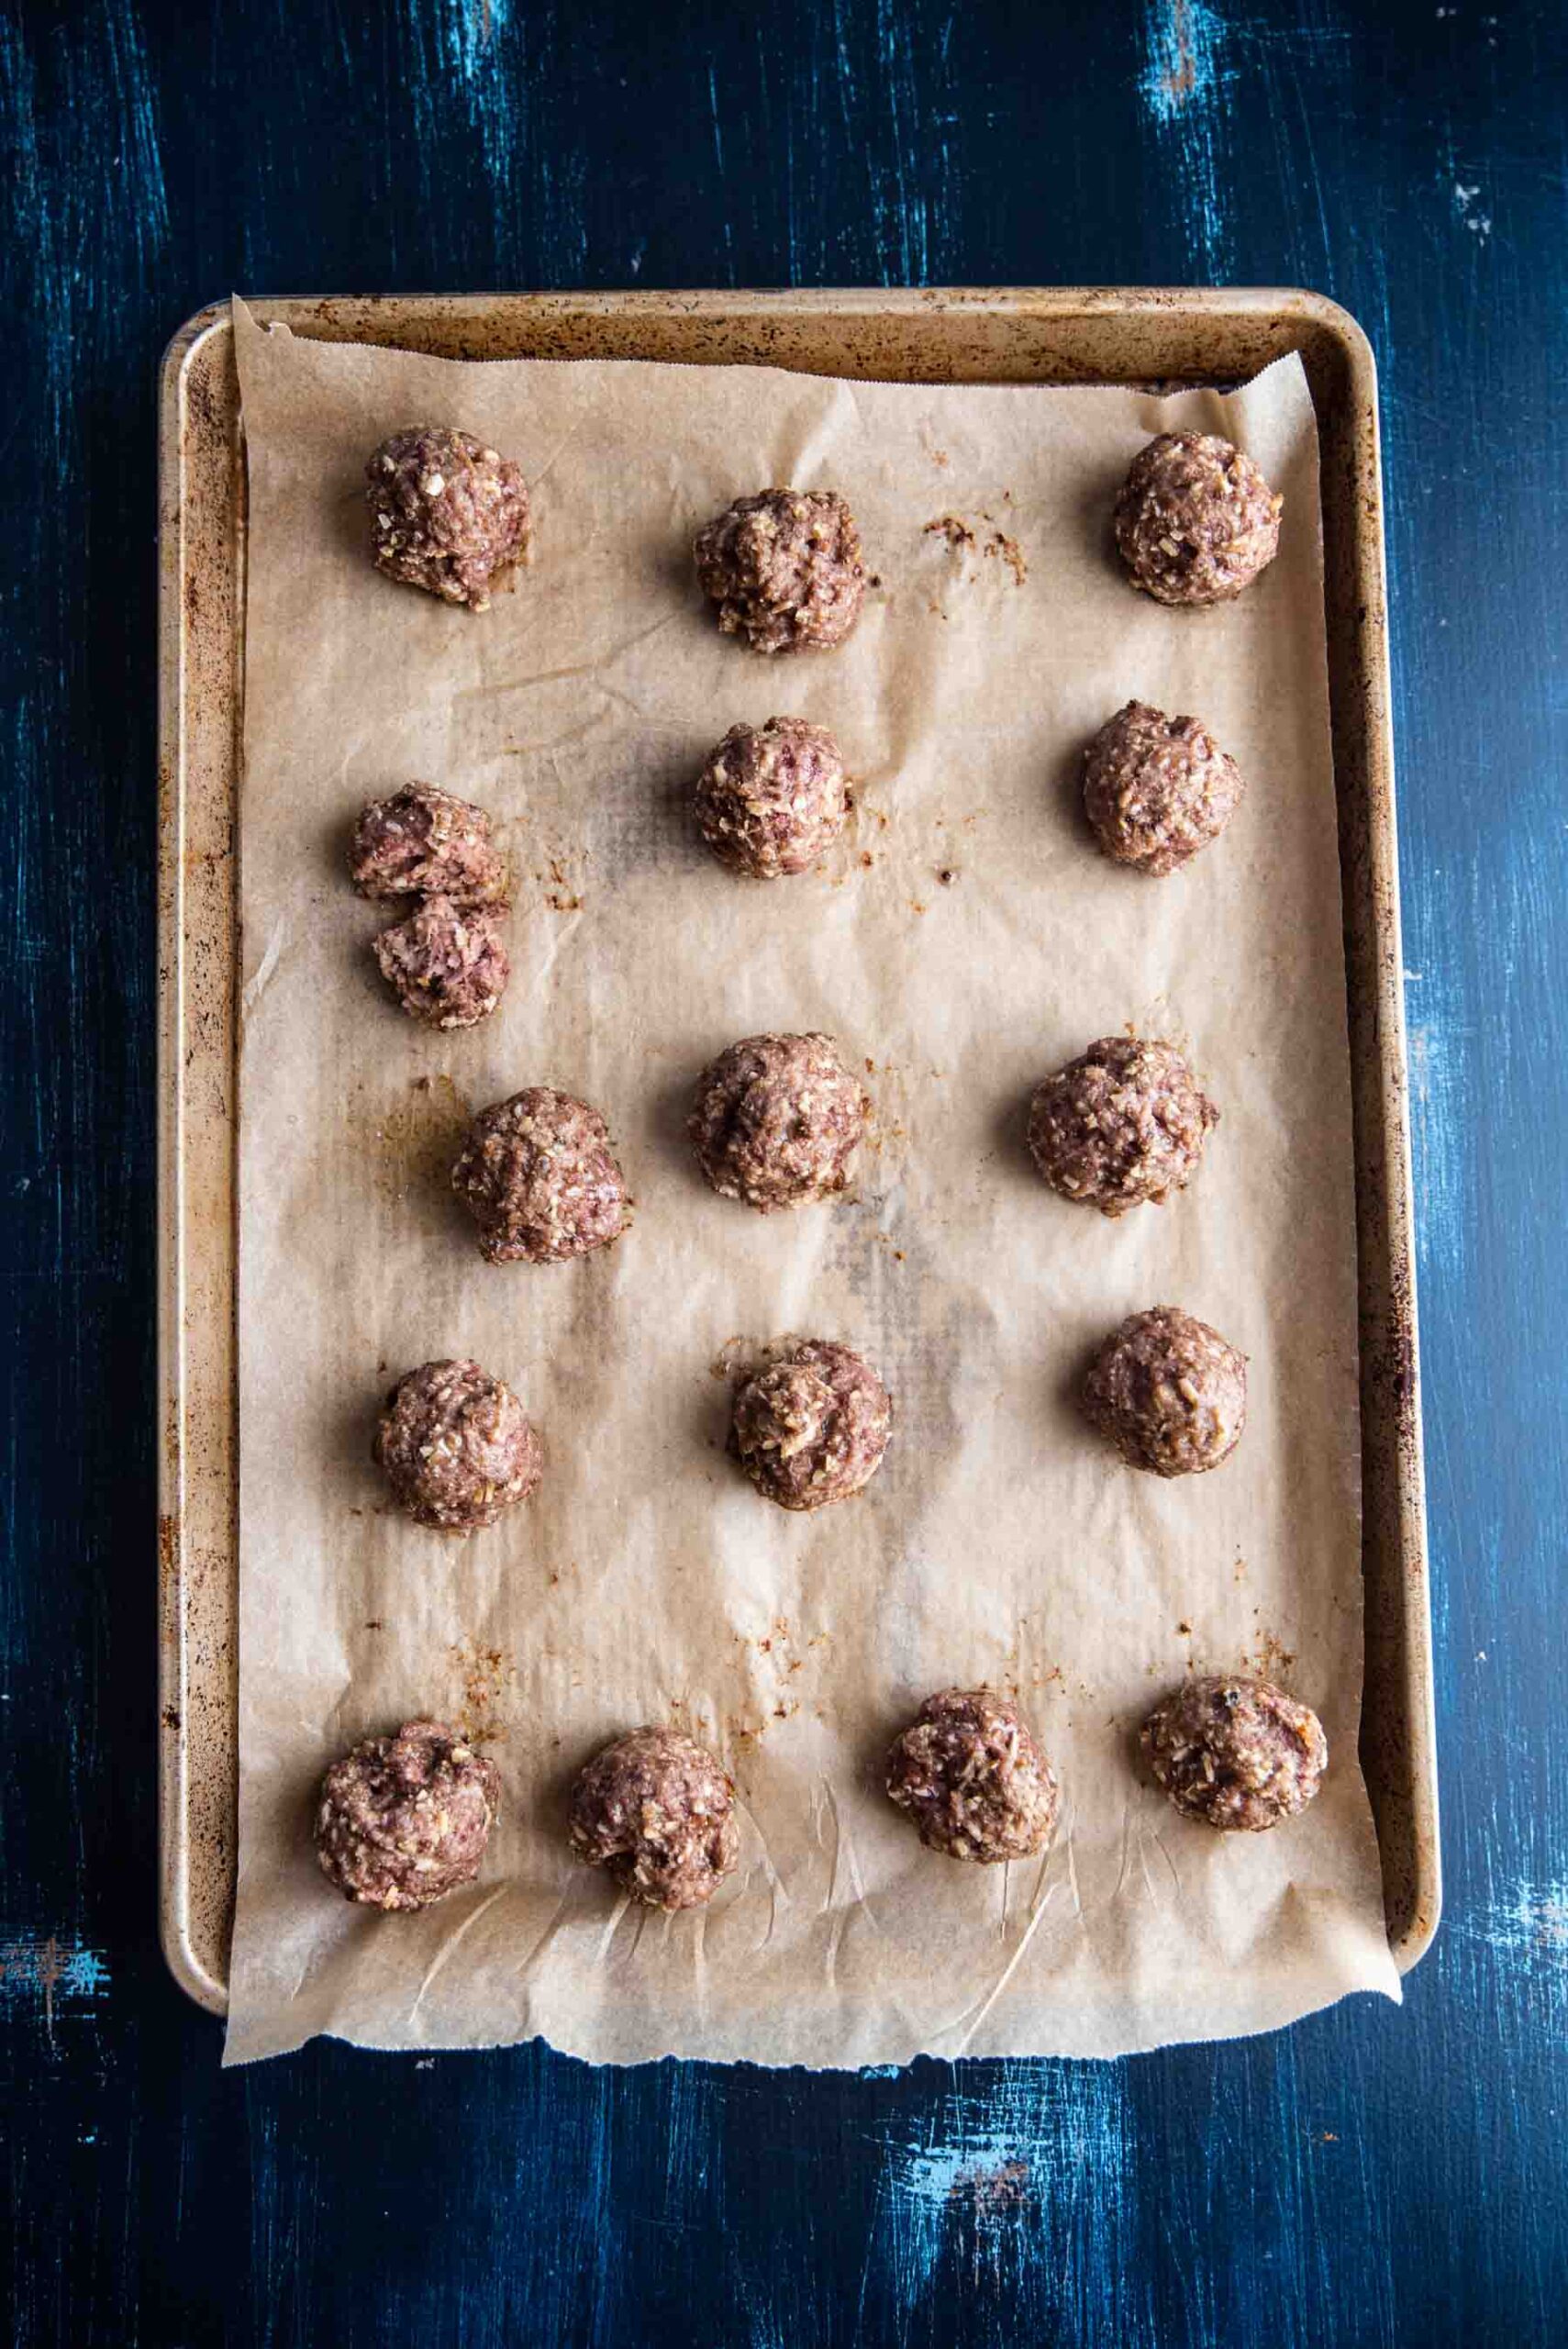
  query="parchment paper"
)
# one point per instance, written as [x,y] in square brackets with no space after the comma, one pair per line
[963,941]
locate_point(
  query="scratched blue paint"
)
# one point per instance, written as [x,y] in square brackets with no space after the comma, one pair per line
[1438,1041]
[1029,2178]
[1207,67]
[469,32]
[475,51]
[132,162]
[1186,40]
[1527,1929]
[1184,87]
[51,1971]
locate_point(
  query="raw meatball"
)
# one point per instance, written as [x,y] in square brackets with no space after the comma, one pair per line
[656,1810]
[539,1179]
[404,1820]
[1157,789]
[457,1447]
[424,842]
[1237,1752]
[811,1426]
[771,799]
[447,514]
[972,1779]
[1195,521]
[1169,1392]
[447,964]
[1123,1123]
[784,568]
[777,1120]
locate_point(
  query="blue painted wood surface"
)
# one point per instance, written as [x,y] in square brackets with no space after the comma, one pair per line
[1371,2177]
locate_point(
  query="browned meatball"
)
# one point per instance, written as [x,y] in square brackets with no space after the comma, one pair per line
[1157,789]
[447,514]
[404,1820]
[777,1120]
[1235,1752]
[447,964]
[973,1778]
[656,1810]
[457,1447]
[812,1426]
[1169,1392]
[425,842]
[1124,1123]
[539,1179]
[772,798]
[1195,521]
[784,568]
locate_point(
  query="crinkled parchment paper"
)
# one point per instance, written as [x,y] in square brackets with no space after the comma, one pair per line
[964,939]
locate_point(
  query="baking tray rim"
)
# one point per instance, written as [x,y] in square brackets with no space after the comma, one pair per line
[1282,318]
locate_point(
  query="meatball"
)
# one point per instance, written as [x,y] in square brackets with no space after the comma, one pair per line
[655,1809]
[1237,1752]
[973,1778]
[457,1447]
[1124,1123]
[772,798]
[447,964]
[1157,789]
[1195,521]
[424,842]
[1168,1393]
[776,1120]
[539,1179]
[812,1426]
[784,568]
[404,1820]
[447,514]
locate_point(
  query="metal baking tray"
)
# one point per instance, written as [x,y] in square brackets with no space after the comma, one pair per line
[1027,334]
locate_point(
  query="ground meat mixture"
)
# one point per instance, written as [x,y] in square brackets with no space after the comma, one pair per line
[1124,1123]
[425,842]
[1237,1752]
[1169,1392]
[447,964]
[447,514]
[457,1447]
[656,1810]
[811,1426]
[784,568]
[772,798]
[539,1179]
[777,1120]
[404,1820]
[972,1779]
[1157,789]
[1195,521]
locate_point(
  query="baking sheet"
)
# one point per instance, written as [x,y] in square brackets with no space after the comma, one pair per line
[647,1580]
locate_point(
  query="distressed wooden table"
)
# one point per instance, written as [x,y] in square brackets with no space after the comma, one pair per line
[1372,2177]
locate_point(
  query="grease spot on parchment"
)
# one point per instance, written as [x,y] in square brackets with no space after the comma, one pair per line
[985,538]
[406,1145]
[485,1677]
[1269,1657]
[560,893]
[776,1663]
